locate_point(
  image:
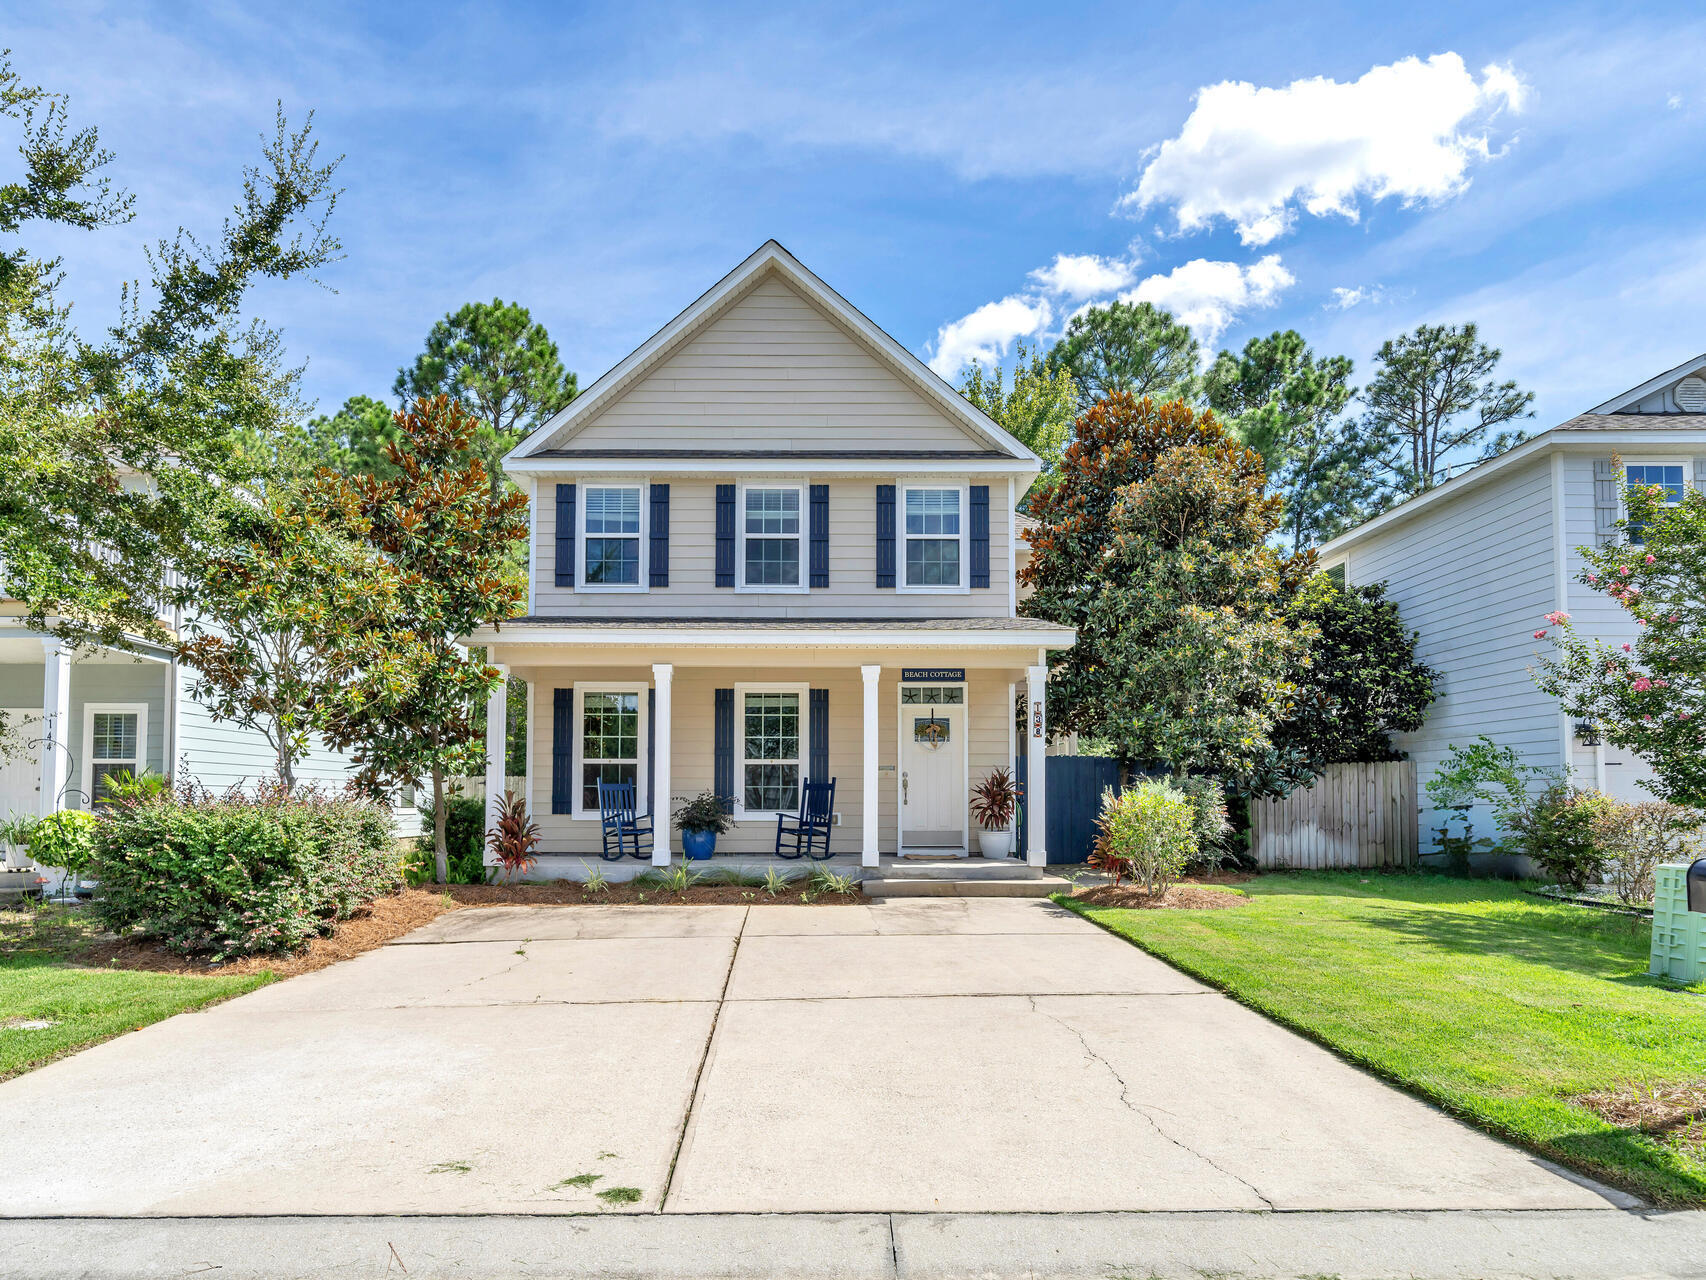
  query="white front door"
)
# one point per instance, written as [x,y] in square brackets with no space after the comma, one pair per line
[20,763]
[932,770]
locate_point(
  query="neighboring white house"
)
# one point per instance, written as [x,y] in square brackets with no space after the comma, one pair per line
[1475,564]
[769,545]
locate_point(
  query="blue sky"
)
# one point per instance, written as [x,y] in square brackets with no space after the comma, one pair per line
[1348,170]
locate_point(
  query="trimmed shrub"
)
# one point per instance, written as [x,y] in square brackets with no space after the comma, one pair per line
[65,840]
[240,875]
[1148,832]
[464,842]
[1635,838]
[1556,828]
[1209,821]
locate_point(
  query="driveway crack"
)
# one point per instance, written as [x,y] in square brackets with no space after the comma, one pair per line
[705,1057]
[1137,1108]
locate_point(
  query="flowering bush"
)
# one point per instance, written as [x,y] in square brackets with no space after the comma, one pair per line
[1147,833]
[237,874]
[1636,838]
[1648,696]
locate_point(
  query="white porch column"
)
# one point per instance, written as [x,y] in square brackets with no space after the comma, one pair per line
[55,724]
[663,678]
[497,743]
[871,800]
[1036,764]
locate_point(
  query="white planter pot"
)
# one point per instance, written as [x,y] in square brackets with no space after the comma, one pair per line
[995,844]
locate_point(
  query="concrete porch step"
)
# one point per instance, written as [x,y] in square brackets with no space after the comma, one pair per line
[958,869]
[1039,886]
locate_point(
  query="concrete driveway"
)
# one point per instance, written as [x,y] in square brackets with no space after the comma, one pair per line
[954,1055]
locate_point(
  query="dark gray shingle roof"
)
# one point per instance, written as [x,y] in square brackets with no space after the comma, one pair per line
[605,621]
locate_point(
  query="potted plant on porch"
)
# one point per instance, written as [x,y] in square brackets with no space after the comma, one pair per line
[993,802]
[701,820]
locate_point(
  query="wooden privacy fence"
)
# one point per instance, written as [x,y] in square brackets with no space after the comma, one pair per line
[1356,815]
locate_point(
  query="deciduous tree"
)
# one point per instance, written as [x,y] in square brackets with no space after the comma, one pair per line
[1154,545]
[449,538]
[1037,410]
[1648,695]
[1130,347]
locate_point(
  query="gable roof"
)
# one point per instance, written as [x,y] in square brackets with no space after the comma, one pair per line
[1624,403]
[544,447]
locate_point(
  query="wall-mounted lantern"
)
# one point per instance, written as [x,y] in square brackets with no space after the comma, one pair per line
[1587,733]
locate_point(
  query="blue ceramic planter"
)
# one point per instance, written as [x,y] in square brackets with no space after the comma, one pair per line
[699,845]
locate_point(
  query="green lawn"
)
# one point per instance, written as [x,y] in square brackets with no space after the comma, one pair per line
[40,981]
[1498,1006]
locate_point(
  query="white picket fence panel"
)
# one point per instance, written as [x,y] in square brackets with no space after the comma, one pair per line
[1355,816]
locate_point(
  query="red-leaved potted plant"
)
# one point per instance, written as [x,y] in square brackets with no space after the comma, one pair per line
[514,838]
[992,803]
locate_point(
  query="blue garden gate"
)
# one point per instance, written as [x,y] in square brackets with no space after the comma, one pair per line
[1075,785]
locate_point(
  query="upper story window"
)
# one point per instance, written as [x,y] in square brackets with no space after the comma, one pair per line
[1667,475]
[611,535]
[934,527]
[770,537]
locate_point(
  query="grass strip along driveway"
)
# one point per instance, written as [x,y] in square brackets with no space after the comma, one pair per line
[50,1005]
[1502,1008]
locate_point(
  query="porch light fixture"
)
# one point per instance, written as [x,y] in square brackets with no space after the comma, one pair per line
[1586,733]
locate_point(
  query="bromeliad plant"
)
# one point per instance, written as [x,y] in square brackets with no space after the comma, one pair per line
[514,838]
[994,800]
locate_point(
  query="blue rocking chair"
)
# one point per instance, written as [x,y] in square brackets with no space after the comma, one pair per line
[808,830]
[625,832]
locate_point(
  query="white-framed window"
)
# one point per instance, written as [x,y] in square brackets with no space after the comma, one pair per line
[610,742]
[1669,473]
[115,744]
[772,737]
[935,521]
[769,537]
[613,520]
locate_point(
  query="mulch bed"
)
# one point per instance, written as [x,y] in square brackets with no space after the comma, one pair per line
[1674,1116]
[387,918]
[1184,896]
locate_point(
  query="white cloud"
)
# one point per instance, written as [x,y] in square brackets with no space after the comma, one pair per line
[1208,296]
[1674,102]
[1407,131]
[986,333]
[1084,275]
[1344,299]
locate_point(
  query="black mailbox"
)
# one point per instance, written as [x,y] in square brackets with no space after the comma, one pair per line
[1697,885]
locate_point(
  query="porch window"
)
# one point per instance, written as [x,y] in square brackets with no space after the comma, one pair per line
[611,534]
[934,532]
[116,736]
[772,729]
[609,742]
[770,537]
[1667,475]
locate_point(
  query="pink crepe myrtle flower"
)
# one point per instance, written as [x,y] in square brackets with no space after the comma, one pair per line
[1674,618]
[1558,618]
[1650,557]
[1648,719]
[1642,684]
[1539,635]
[1623,569]
[1683,715]
[1627,649]
[1593,577]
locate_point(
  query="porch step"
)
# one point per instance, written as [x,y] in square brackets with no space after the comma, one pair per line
[1038,886]
[959,869]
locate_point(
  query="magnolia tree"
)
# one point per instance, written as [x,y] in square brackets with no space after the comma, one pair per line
[1647,696]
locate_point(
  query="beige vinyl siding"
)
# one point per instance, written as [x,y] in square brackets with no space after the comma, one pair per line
[780,374]
[1474,577]
[693,740]
[852,590]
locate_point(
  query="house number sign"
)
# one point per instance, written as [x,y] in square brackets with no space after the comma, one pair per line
[932,675]
[1037,718]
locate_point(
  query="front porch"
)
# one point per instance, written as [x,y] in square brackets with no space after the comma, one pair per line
[905,719]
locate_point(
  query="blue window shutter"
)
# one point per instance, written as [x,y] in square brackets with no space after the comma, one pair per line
[652,752]
[660,535]
[726,536]
[563,748]
[820,535]
[723,760]
[980,535]
[817,768]
[565,535]
[885,535]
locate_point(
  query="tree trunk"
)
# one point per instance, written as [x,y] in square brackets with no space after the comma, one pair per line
[440,854]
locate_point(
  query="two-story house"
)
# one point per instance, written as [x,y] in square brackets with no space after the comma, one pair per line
[772,545]
[1476,563]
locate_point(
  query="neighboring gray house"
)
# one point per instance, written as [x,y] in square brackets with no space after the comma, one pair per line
[76,715]
[1476,564]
